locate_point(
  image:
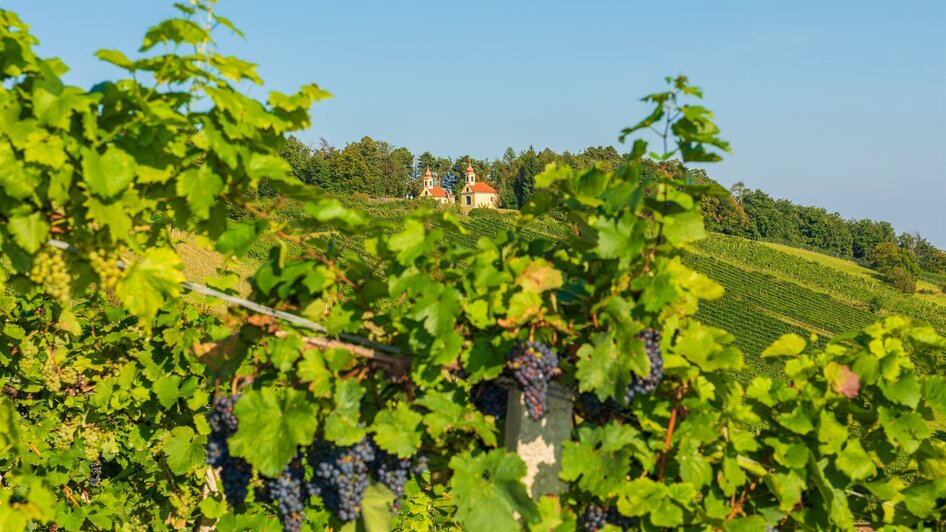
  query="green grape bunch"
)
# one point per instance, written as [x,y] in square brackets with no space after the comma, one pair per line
[51,272]
[105,265]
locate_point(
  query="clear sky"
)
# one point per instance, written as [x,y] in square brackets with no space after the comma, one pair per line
[836,104]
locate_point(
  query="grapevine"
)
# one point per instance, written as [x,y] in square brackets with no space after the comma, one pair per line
[112,370]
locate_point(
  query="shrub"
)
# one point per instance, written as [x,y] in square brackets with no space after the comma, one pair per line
[901,280]
[942,287]
[875,304]
[886,256]
[481,212]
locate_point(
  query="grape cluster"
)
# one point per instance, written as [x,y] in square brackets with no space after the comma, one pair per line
[595,517]
[394,472]
[289,491]
[235,472]
[490,399]
[95,473]
[594,409]
[533,365]
[648,384]
[106,266]
[49,271]
[340,476]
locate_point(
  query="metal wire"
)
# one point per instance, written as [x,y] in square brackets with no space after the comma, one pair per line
[256,307]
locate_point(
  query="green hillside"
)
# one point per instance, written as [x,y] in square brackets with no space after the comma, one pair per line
[771,290]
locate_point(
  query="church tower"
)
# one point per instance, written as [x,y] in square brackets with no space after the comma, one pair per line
[470,174]
[428,179]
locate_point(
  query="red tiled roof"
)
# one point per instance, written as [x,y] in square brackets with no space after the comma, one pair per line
[438,192]
[482,187]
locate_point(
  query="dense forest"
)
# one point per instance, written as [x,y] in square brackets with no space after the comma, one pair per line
[379,169]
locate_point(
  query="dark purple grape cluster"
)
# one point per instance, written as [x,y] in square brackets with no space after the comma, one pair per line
[593,409]
[289,490]
[394,472]
[235,473]
[595,517]
[340,476]
[95,473]
[533,365]
[648,384]
[490,399]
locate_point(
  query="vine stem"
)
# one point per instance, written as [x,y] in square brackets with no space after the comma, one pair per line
[670,428]
[399,365]
[737,507]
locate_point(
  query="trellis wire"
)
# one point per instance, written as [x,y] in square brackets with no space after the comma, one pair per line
[257,308]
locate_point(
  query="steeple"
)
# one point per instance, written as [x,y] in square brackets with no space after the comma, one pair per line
[470,173]
[428,178]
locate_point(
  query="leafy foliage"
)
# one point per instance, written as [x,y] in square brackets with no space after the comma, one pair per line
[104,418]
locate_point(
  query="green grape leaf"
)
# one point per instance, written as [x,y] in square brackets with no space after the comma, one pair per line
[601,368]
[200,188]
[488,491]
[694,467]
[598,461]
[272,424]
[343,425]
[312,369]
[448,413]
[184,450]
[376,508]
[213,508]
[552,517]
[398,431]
[854,462]
[788,345]
[109,174]
[438,308]
[240,236]
[29,232]
[116,58]
[905,390]
[283,352]
[167,388]
[156,275]
[410,242]
[683,227]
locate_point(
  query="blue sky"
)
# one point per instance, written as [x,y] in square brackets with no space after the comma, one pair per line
[835,104]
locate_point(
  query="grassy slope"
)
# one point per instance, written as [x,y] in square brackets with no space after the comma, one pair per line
[925,290]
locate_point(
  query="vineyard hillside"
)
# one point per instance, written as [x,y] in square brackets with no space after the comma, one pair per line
[771,289]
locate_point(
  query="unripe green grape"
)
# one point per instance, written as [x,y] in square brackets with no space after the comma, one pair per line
[105,265]
[50,271]
[69,376]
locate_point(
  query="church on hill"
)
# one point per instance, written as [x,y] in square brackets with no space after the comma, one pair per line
[436,192]
[477,194]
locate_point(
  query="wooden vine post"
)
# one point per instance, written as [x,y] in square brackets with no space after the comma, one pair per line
[539,442]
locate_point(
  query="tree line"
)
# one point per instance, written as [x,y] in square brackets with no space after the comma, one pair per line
[377,168]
